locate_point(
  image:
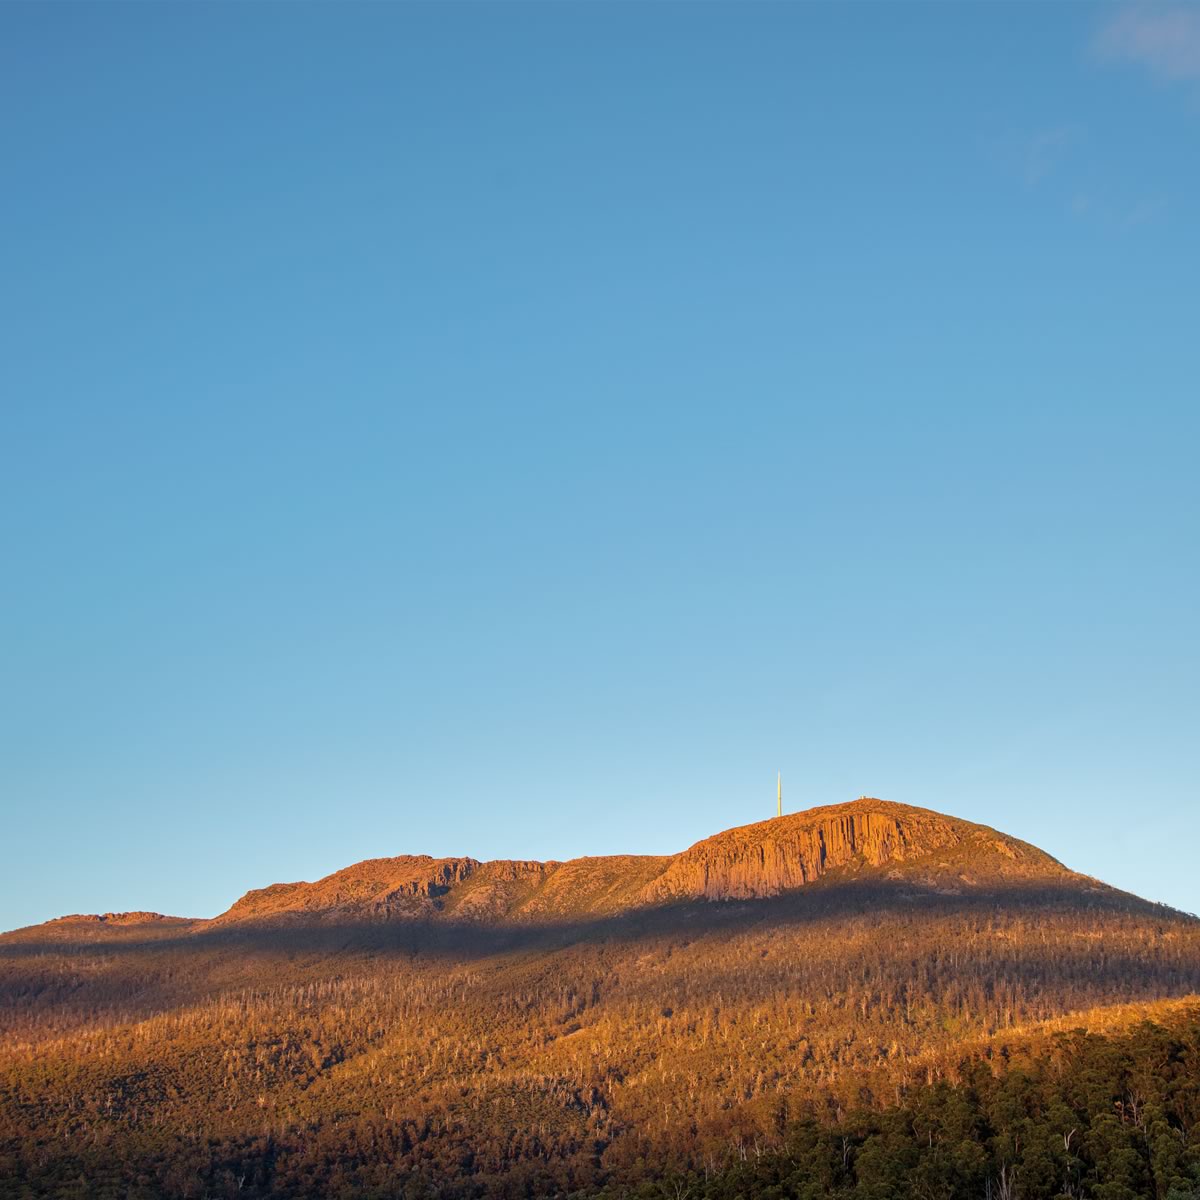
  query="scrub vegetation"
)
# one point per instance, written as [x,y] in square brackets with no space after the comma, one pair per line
[870,1037]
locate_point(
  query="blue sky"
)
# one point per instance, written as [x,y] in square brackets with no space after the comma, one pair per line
[521,430]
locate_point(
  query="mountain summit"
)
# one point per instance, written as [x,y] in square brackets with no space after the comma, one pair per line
[868,835]
[864,839]
[420,1027]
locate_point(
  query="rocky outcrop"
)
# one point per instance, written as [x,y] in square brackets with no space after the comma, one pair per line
[378,886]
[765,859]
[791,851]
[116,918]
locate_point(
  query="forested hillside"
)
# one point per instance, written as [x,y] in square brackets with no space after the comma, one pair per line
[890,1012]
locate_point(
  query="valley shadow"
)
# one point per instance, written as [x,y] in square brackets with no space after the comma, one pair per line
[440,936]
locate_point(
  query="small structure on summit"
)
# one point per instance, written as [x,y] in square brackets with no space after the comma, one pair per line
[779,794]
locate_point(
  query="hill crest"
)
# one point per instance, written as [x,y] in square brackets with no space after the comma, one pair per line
[485,1023]
[866,837]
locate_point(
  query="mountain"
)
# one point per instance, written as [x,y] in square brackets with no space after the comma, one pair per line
[866,839]
[413,1026]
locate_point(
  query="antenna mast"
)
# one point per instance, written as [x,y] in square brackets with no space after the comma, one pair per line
[779,794]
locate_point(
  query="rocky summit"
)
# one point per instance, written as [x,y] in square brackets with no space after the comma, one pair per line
[789,992]
[868,839]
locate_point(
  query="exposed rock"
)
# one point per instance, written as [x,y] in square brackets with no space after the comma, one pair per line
[378,885]
[791,851]
[765,859]
[115,918]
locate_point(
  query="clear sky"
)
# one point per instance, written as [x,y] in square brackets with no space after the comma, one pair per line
[521,430]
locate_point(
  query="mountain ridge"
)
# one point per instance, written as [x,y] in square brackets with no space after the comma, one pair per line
[499,1030]
[755,861]
[864,838]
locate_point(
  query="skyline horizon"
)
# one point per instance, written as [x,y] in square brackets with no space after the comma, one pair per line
[466,855]
[514,429]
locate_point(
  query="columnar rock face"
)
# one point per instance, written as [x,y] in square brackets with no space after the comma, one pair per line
[769,858]
[789,852]
[417,886]
[377,886]
[115,918]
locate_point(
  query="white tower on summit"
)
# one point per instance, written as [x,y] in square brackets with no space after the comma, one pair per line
[779,794]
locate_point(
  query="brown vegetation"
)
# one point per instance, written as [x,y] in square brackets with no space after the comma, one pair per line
[526,1028]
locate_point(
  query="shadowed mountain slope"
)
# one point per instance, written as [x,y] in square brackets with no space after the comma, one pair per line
[418,1027]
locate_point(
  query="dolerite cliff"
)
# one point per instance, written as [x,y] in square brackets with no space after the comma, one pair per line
[378,886]
[788,852]
[867,840]
[864,839]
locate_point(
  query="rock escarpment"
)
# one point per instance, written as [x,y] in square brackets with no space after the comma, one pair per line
[375,887]
[788,852]
[115,918]
[420,887]
[866,837]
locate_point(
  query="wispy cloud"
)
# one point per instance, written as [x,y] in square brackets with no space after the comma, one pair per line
[1164,40]
[1065,168]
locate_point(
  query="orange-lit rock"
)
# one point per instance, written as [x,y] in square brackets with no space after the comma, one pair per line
[791,851]
[751,861]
